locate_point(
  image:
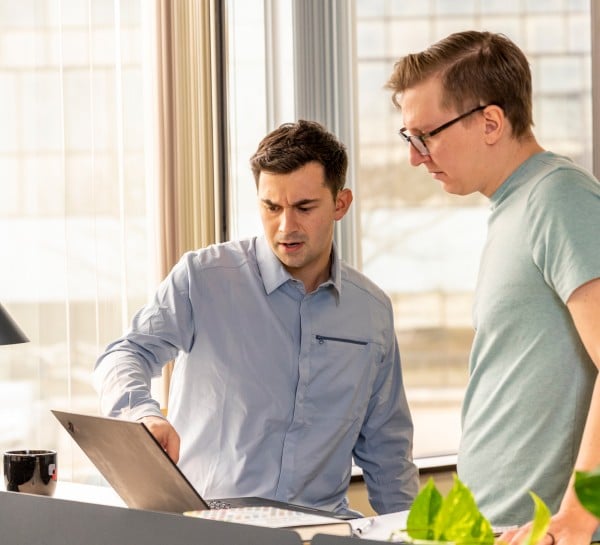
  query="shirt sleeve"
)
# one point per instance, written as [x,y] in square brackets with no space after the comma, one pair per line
[564,219]
[123,373]
[384,446]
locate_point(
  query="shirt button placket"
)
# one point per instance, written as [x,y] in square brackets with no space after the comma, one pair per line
[287,483]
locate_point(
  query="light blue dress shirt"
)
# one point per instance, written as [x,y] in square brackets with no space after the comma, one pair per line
[274,389]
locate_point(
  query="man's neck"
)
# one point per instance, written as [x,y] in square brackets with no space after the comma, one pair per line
[312,280]
[514,154]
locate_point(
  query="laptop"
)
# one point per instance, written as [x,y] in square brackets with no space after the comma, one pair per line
[142,473]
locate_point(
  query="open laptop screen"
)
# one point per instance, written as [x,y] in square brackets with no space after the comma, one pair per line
[133,462]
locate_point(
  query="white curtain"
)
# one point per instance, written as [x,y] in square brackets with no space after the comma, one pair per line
[77,204]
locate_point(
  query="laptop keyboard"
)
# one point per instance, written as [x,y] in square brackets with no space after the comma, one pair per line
[218,504]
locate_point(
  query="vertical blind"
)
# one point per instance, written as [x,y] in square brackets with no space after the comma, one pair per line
[110,168]
[77,209]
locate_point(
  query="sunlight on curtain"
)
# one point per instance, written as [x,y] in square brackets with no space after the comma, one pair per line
[76,212]
[190,119]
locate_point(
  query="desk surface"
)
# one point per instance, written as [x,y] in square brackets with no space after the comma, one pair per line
[89,500]
[102,495]
[40,520]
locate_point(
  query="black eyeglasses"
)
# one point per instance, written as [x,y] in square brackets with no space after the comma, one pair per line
[418,140]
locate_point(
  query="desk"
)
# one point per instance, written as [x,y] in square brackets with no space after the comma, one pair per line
[26,519]
[102,495]
[96,515]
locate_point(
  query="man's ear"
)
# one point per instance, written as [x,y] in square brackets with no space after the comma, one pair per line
[495,123]
[342,203]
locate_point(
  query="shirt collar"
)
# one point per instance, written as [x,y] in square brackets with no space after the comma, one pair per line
[274,273]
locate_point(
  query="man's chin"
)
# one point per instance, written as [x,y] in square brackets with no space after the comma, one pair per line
[451,188]
[288,260]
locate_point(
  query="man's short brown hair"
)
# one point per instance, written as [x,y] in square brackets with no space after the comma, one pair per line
[293,145]
[475,68]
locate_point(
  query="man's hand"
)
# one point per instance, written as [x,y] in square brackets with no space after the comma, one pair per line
[563,530]
[165,434]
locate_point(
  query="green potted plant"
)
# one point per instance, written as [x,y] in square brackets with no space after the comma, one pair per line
[456,519]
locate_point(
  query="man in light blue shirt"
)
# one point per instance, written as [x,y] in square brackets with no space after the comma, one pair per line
[287,363]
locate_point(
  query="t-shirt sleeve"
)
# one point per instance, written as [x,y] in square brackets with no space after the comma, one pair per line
[564,229]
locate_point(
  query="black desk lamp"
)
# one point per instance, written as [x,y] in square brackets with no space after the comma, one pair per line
[10,332]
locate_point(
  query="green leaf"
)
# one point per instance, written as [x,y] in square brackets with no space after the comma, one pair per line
[540,522]
[482,531]
[587,488]
[459,519]
[423,512]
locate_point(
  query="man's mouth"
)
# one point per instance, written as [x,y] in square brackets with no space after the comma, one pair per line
[290,245]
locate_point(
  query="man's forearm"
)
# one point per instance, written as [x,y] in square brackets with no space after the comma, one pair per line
[124,386]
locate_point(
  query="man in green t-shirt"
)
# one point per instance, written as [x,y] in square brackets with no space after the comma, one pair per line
[531,413]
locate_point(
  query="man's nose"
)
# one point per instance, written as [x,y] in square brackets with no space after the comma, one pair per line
[287,220]
[415,157]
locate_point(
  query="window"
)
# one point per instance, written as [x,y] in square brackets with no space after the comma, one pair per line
[260,95]
[76,211]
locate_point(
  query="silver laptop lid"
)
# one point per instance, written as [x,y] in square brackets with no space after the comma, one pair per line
[133,462]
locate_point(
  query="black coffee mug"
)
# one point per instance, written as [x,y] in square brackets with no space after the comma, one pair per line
[30,471]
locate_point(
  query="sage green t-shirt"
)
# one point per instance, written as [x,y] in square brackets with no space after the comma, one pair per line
[531,379]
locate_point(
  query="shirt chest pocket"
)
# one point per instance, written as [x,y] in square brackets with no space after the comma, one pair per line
[342,372]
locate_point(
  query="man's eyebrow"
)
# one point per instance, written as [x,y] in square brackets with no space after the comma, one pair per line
[301,202]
